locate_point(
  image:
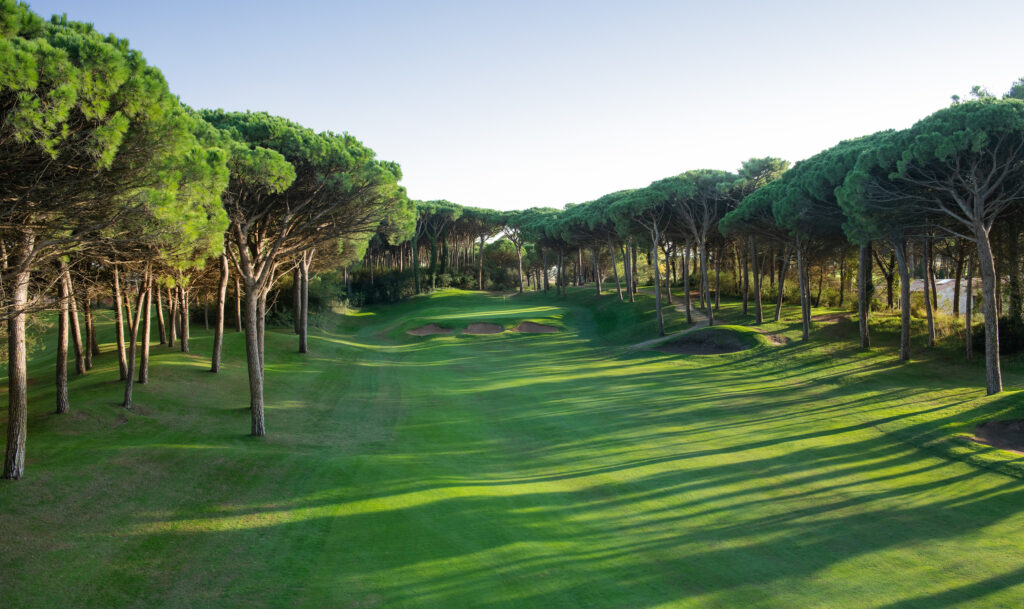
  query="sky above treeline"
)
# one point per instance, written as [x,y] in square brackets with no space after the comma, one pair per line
[511,105]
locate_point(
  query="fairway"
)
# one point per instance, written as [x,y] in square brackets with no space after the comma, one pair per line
[520,470]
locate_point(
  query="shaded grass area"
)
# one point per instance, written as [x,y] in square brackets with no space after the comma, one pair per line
[514,470]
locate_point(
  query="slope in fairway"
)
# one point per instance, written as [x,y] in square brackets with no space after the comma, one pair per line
[518,470]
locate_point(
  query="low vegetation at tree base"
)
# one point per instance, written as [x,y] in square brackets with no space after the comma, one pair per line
[515,470]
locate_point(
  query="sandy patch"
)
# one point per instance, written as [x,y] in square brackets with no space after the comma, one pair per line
[705,343]
[776,340]
[529,327]
[482,328]
[1007,435]
[429,329]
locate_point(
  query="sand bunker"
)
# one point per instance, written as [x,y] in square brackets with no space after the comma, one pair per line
[705,342]
[1007,435]
[776,340]
[481,328]
[429,329]
[531,328]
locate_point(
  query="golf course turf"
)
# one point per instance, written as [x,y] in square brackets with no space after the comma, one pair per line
[514,470]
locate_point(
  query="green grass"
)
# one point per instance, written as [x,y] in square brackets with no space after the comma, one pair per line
[510,470]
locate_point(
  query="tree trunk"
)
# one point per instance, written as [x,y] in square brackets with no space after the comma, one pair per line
[90,331]
[147,320]
[986,267]
[296,298]
[519,258]
[218,334]
[544,261]
[746,279]
[706,284]
[926,268]
[615,267]
[304,302]
[805,317]
[657,285]
[433,263]
[183,310]
[842,281]
[119,324]
[17,363]
[253,360]
[63,320]
[686,284]
[261,330]
[668,275]
[900,250]
[783,270]
[718,279]
[206,312]
[597,271]
[958,275]
[172,318]
[864,285]
[76,331]
[579,267]
[636,287]
[480,266]
[969,308]
[628,270]
[238,302]
[758,312]
[129,381]
[160,316]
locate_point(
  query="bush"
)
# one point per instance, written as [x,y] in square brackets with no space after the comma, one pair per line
[1011,336]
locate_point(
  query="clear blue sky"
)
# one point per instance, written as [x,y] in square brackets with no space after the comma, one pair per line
[520,103]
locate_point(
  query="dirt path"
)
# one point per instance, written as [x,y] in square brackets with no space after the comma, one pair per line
[700,320]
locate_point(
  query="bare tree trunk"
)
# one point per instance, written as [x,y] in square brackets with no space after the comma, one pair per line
[63,315]
[206,312]
[969,308]
[544,261]
[238,302]
[628,269]
[657,285]
[900,249]
[597,271]
[758,312]
[253,360]
[706,284]
[261,329]
[805,318]
[304,303]
[297,299]
[668,276]
[636,287]
[615,267]
[132,343]
[76,331]
[579,267]
[863,292]
[686,283]
[172,318]
[160,316]
[184,320]
[784,269]
[718,279]
[746,280]
[958,275]
[986,267]
[90,330]
[222,294]
[480,266]
[926,268]
[519,257]
[119,324]
[17,363]
[147,322]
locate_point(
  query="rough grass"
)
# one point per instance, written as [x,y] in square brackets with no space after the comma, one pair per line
[511,470]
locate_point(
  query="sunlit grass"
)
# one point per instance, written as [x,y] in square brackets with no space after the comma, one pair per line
[508,470]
